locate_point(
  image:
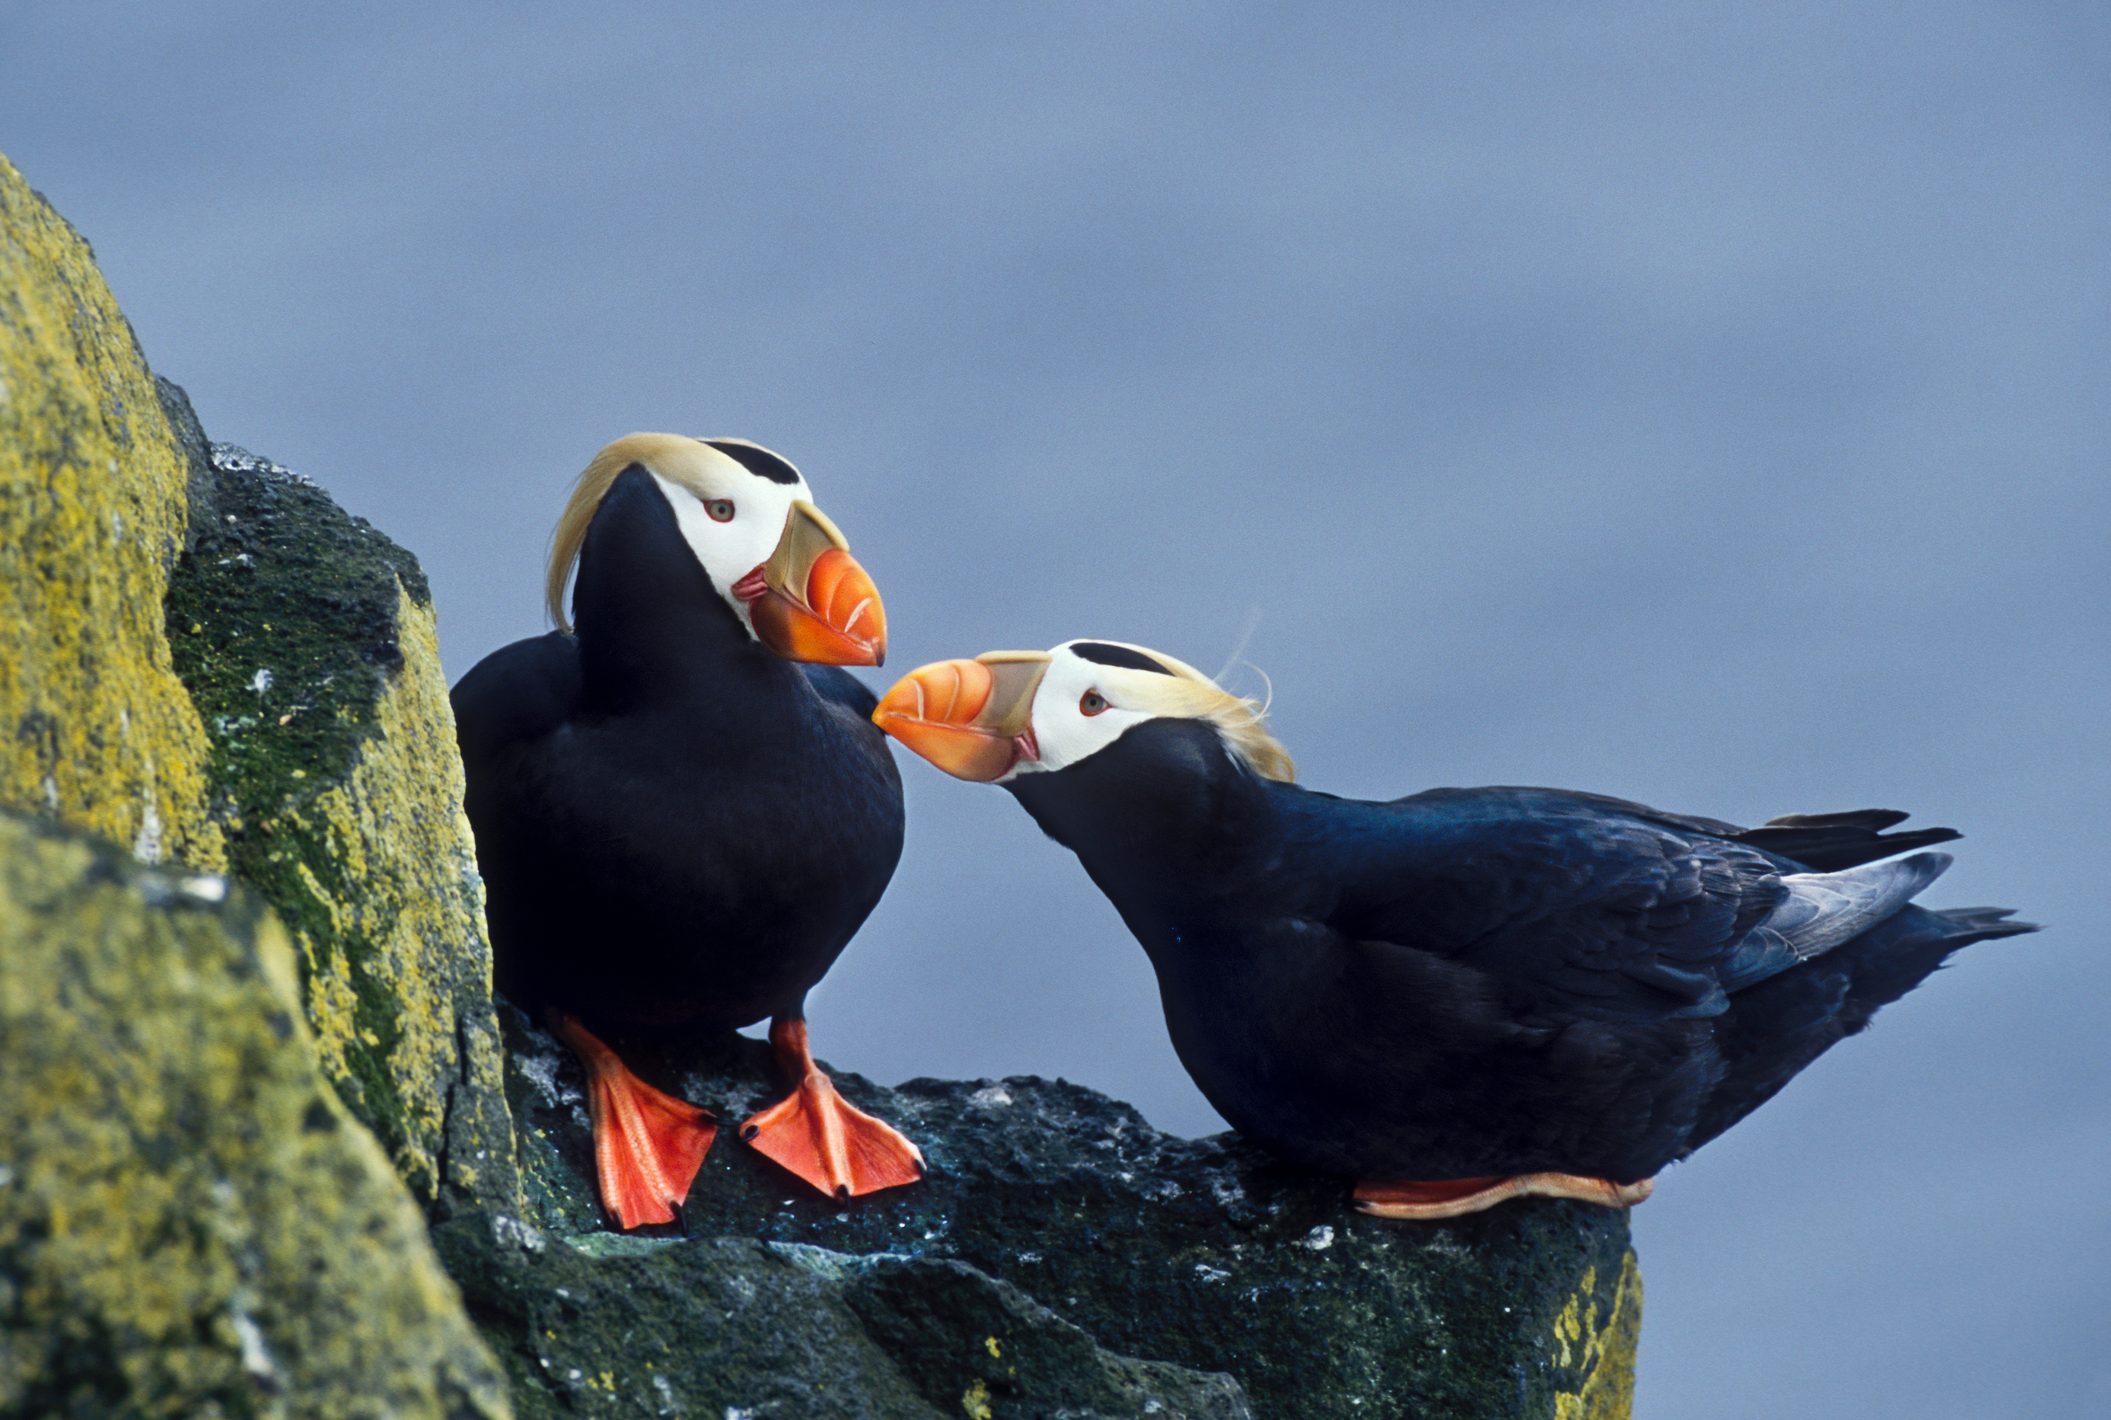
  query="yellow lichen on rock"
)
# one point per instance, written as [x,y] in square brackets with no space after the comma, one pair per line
[190,1223]
[1596,1337]
[409,892]
[95,730]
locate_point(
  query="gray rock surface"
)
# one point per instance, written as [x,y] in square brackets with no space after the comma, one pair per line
[1197,1274]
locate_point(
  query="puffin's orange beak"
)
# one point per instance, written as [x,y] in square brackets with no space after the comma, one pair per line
[973,719]
[811,601]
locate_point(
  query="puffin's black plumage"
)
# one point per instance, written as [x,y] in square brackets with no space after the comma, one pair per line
[676,826]
[1469,983]
[681,817]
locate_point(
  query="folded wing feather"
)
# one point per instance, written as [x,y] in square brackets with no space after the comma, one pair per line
[1823,910]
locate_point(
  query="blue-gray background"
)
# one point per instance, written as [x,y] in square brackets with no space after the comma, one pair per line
[1705,404]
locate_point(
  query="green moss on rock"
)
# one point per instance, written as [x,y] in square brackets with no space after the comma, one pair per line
[307,640]
[971,1343]
[732,1326]
[95,731]
[189,1222]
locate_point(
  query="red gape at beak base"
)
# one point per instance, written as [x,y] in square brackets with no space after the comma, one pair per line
[973,719]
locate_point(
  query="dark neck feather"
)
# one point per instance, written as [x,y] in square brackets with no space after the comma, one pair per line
[652,628]
[1164,819]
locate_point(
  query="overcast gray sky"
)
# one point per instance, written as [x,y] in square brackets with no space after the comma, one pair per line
[1705,404]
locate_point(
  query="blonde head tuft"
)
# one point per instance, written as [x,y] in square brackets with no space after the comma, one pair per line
[675,457]
[1188,694]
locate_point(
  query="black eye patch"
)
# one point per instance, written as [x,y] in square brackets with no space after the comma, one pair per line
[1109,655]
[760,462]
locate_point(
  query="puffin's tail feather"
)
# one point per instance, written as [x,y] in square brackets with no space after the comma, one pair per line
[1783,1023]
[1984,924]
[1902,952]
[1827,843]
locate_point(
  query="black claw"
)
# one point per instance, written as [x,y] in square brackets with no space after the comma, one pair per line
[681,1219]
[842,1193]
[749,1133]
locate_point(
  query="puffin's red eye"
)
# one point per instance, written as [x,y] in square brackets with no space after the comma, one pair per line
[1092,703]
[720,509]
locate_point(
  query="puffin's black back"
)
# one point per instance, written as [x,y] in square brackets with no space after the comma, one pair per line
[676,827]
[1468,983]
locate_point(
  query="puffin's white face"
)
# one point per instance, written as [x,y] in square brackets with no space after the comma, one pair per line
[1091,693]
[1011,713]
[746,515]
[732,514]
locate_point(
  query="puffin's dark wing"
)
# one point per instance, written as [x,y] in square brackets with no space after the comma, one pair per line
[1829,842]
[842,688]
[1573,907]
[1826,842]
[518,692]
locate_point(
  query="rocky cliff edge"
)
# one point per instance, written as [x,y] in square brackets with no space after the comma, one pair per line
[268,1146]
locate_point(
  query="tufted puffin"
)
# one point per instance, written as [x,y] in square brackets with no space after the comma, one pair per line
[682,810]
[1457,997]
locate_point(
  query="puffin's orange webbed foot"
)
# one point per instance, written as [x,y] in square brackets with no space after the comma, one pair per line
[648,1145]
[821,1137]
[1454,1197]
